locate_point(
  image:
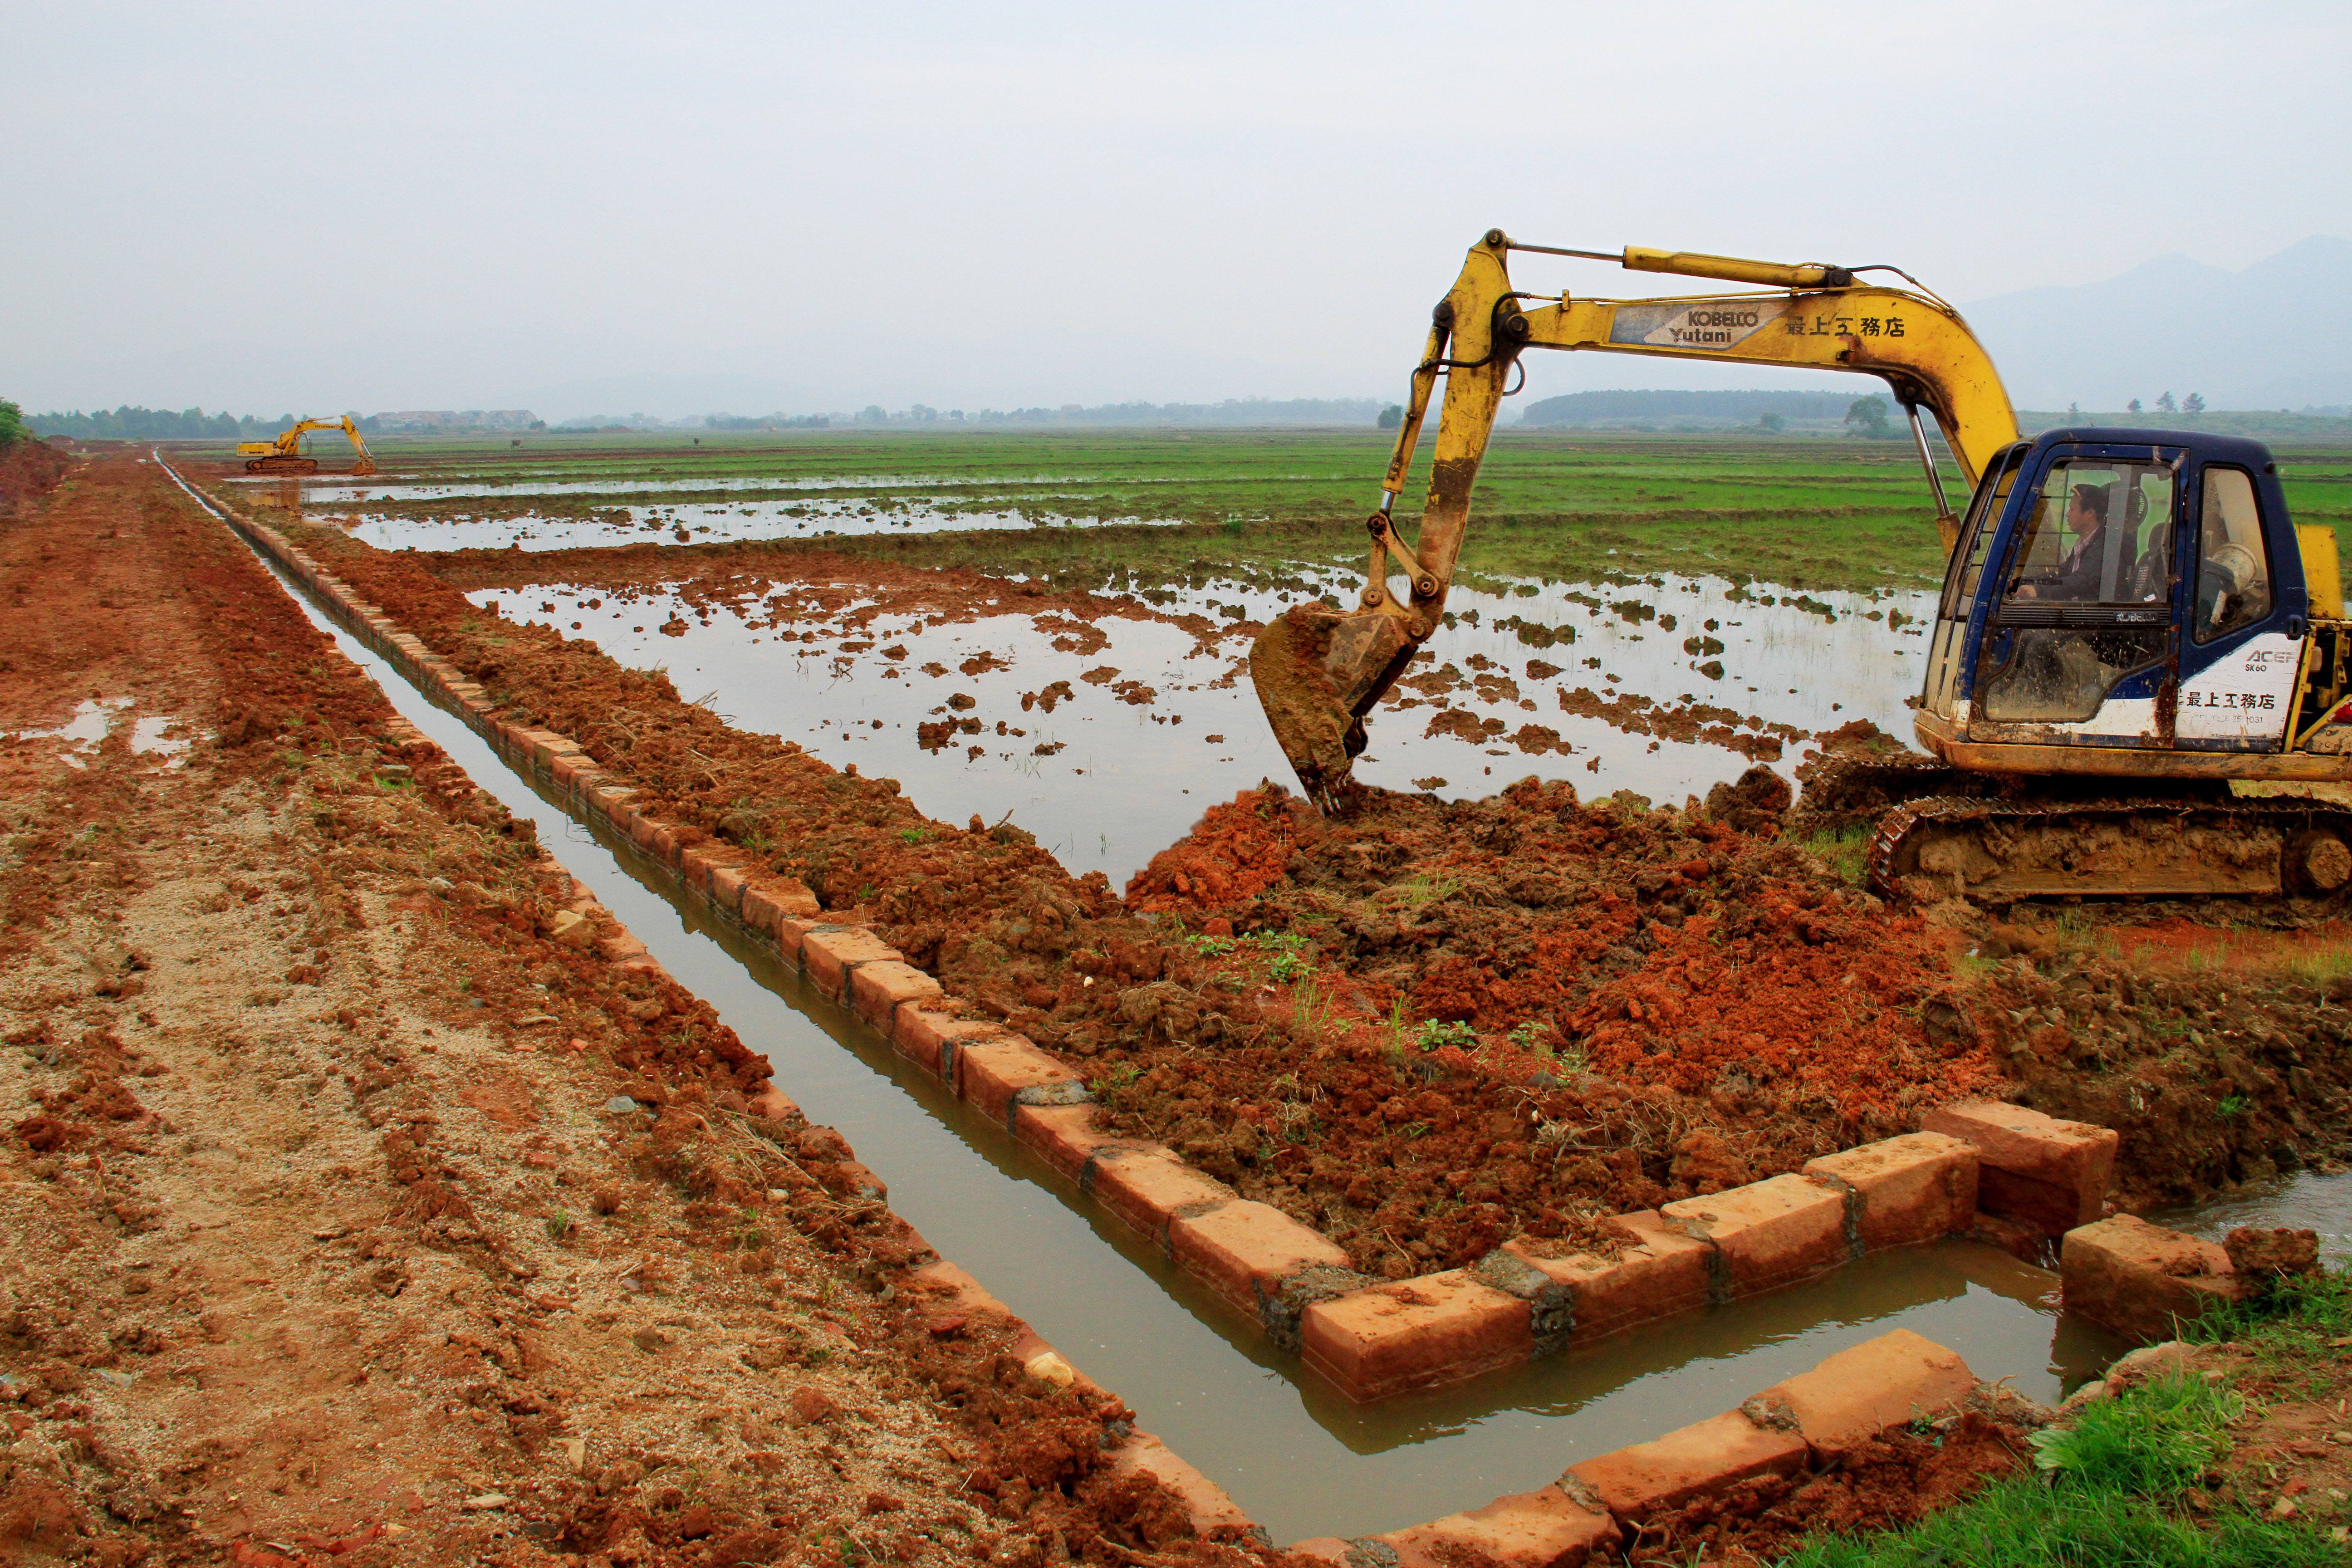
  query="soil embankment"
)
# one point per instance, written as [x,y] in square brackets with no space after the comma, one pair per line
[359,1206]
[1438,1026]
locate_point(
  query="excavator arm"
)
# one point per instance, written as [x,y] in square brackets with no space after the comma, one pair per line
[285,452]
[1319,670]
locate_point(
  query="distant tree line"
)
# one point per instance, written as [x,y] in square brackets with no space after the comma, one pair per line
[1588,408]
[1231,412]
[129,423]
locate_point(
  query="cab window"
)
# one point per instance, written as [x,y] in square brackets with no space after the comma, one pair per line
[2234,565]
[1976,537]
[2100,534]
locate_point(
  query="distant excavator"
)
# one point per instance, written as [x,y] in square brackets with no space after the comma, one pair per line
[2139,679]
[285,454]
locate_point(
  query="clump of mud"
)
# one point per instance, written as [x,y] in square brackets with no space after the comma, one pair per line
[1433,1027]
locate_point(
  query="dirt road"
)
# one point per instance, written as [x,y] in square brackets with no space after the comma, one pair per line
[355,1204]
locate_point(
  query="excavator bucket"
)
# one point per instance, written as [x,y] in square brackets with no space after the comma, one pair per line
[1317,672]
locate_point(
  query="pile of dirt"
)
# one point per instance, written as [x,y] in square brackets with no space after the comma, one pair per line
[1528,1012]
[29,470]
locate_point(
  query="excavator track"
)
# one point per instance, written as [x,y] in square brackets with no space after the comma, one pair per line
[1996,851]
[278,464]
[1844,787]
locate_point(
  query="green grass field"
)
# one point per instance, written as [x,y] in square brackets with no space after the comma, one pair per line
[1806,512]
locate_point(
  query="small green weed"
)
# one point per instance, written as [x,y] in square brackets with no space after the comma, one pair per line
[2229,1107]
[1435,1036]
[1210,946]
[2158,1438]
[1845,852]
[1286,967]
[559,1226]
[913,834]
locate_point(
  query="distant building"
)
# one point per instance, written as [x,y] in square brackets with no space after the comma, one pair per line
[450,419]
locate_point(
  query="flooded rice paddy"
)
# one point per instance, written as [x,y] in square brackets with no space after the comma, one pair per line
[1109,739]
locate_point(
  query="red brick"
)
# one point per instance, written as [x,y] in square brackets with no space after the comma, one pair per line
[1541,1529]
[1662,1273]
[1912,1188]
[1040,1360]
[621,947]
[989,1074]
[2140,1280]
[2048,1172]
[1766,1234]
[727,883]
[876,989]
[1856,1394]
[1067,1137]
[774,1104]
[1244,1251]
[952,1291]
[929,1038]
[767,900]
[1213,1514]
[568,772]
[829,952]
[1148,1188]
[1416,1333]
[1711,1457]
[661,842]
[696,864]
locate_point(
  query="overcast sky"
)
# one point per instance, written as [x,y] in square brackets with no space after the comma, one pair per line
[270,207]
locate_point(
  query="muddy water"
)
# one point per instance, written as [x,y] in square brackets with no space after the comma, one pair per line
[711,524]
[541,483]
[1107,781]
[1299,1460]
[2308,1200]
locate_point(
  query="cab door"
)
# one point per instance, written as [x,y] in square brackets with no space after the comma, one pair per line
[2245,609]
[2076,646]
[1946,693]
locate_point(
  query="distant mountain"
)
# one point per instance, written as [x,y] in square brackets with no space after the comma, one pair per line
[2277,335]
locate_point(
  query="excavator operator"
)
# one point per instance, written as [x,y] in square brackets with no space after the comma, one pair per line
[2105,552]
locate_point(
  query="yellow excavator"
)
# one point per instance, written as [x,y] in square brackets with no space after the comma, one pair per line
[2139,679]
[285,454]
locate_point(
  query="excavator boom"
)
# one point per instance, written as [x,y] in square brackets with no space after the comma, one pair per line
[1319,670]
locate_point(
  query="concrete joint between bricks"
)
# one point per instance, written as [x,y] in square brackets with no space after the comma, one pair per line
[1852,1196]
[1551,1306]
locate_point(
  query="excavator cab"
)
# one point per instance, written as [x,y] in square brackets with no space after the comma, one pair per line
[2122,603]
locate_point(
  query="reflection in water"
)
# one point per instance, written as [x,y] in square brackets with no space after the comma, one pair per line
[1107,781]
[698,523]
[2308,1200]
